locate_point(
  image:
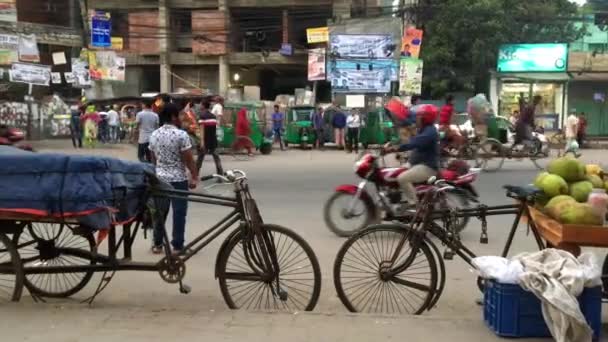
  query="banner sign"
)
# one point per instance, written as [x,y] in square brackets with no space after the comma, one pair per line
[412,41]
[362,76]
[9,49]
[31,74]
[28,48]
[101,29]
[8,10]
[117,43]
[410,76]
[106,65]
[369,46]
[316,65]
[286,49]
[532,58]
[80,70]
[317,35]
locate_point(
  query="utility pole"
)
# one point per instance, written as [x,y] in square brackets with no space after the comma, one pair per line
[165,47]
[84,9]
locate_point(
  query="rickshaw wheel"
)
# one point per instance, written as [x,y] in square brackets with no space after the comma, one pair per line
[11,284]
[46,244]
[266,149]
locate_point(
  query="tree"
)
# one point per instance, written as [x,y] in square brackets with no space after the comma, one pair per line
[462,37]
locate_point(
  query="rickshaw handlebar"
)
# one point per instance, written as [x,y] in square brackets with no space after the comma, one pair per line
[231,176]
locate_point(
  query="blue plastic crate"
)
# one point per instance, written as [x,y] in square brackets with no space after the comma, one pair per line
[510,311]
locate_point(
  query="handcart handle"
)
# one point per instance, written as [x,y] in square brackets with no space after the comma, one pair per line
[229,176]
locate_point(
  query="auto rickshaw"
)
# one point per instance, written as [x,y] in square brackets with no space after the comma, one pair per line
[299,130]
[256,113]
[378,129]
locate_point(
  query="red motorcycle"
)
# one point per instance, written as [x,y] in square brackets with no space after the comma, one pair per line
[10,136]
[354,207]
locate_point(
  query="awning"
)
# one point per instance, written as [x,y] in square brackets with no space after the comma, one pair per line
[534,76]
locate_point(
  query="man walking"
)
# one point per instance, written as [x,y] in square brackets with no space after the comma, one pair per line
[277,125]
[76,126]
[208,122]
[172,151]
[147,122]
[353,123]
[113,125]
[318,124]
[582,130]
[338,122]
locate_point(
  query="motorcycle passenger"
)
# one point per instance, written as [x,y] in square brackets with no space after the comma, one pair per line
[424,155]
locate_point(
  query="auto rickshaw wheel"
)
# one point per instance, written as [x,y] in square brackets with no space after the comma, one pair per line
[266,148]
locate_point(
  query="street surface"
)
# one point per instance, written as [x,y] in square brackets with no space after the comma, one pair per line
[291,188]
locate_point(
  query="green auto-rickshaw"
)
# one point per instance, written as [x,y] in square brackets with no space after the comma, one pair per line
[299,129]
[256,113]
[378,129]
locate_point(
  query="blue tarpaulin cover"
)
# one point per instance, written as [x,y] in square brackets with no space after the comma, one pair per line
[98,191]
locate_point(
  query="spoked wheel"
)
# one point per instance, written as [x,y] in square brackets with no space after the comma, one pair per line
[344,214]
[455,201]
[605,276]
[238,148]
[46,244]
[299,276]
[490,155]
[11,272]
[364,277]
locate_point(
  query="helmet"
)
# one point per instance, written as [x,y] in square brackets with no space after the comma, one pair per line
[428,114]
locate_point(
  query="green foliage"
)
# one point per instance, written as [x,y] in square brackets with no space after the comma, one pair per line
[462,37]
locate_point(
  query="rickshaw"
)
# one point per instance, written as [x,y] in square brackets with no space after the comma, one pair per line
[299,130]
[378,129]
[256,113]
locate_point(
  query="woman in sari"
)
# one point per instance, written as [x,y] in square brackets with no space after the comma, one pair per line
[243,129]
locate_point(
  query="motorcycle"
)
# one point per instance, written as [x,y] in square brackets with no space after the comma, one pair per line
[359,206]
[10,136]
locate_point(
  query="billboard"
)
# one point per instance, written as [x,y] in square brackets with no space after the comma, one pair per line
[412,41]
[532,58]
[317,35]
[316,65]
[362,76]
[8,10]
[30,74]
[9,49]
[106,65]
[101,29]
[368,46]
[410,76]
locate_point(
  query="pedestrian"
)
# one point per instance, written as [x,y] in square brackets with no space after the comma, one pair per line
[572,124]
[190,124]
[147,122]
[278,120]
[318,123]
[243,129]
[103,125]
[208,122]
[218,108]
[338,122]
[76,126]
[514,117]
[90,123]
[113,124]
[582,130]
[172,151]
[353,123]
[445,122]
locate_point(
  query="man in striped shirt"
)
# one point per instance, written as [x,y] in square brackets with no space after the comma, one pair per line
[208,122]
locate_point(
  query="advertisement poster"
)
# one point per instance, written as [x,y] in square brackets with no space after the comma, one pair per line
[410,76]
[8,10]
[28,48]
[532,58]
[369,46]
[363,76]
[101,29]
[412,41]
[316,65]
[117,43]
[56,77]
[31,74]
[317,35]
[9,49]
[106,65]
[80,70]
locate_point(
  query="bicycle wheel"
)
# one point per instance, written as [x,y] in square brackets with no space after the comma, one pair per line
[46,244]
[557,143]
[299,278]
[362,267]
[238,149]
[11,272]
[490,155]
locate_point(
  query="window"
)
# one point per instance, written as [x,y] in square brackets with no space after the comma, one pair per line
[181,21]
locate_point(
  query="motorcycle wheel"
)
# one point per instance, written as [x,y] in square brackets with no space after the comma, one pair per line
[343,225]
[456,201]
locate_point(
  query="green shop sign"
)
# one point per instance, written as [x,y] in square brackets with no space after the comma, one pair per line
[533,58]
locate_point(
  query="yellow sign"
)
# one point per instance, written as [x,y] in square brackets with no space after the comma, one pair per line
[117,43]
[317,35]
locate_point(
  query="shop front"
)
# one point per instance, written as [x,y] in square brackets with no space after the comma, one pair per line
[528,70]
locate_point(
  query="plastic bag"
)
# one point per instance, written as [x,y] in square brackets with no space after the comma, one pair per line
[501,269]
[591,269]
[478,107]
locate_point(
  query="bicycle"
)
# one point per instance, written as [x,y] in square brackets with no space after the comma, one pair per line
[397,268]
[491,149]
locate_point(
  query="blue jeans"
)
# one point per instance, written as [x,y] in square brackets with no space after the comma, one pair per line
[180,210]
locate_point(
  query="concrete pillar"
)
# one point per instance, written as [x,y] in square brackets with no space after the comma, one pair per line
[224,68]
[165,46]
[285,27]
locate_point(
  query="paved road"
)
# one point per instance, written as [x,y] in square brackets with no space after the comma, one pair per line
[291,188]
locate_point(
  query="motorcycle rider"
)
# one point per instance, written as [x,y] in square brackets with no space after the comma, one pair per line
[525,123]
[424,155]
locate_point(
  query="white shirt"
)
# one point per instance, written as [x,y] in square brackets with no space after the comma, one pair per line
[217,110]
[148,122]
[168,143]
[571,126]
[113,118]
[353,121]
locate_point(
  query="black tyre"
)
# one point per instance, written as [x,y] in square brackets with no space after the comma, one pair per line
[344,222]
[11,272]
[299,276]
[605,276]
[456,201]
[490,155]
[47,244]
[361,266]
[266,148]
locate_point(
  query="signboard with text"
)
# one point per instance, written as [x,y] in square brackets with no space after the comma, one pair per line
[362,76]
[317,35]
[362,46]
[30,74]
[101,29]
[532,58]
